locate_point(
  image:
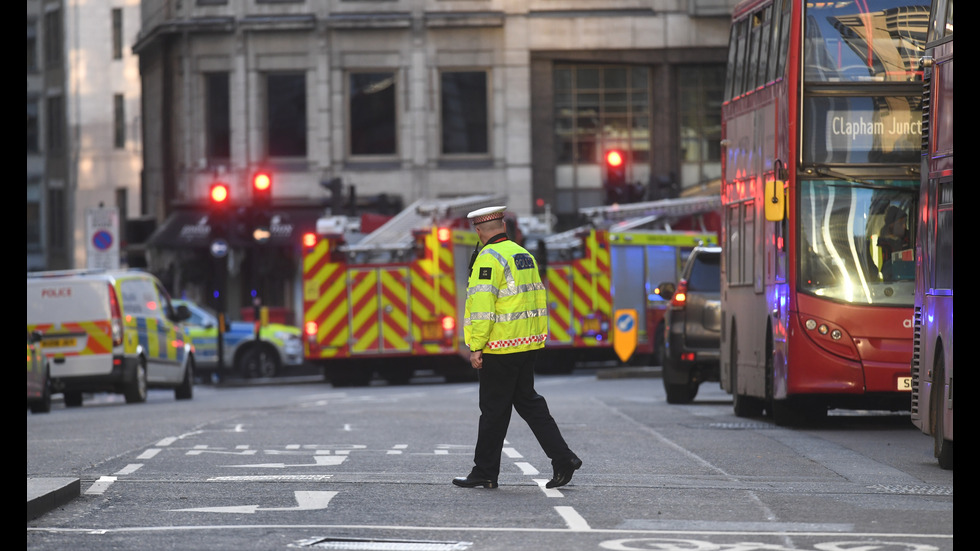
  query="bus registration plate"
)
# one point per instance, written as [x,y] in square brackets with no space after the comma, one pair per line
[905,383]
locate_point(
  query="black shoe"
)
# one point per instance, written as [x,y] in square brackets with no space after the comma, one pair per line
[472,482]
[564,475]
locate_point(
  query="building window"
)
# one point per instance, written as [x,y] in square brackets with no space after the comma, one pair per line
[598,108]
[464,112]
[119,121]
[117,33]
[217,115]
[52,38]
[55,116]
[33,138]
[57,223]
[285,114]
[33,215]
[373,114]
[31,45]
[699,92]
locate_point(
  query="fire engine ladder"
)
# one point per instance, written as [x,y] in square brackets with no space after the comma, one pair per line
[396,234]
[620,218]
[624,217]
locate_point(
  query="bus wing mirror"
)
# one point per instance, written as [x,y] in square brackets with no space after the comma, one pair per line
[775,197]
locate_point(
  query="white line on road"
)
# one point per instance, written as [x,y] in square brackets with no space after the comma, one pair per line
[574,520]
[129,469]
[100,486]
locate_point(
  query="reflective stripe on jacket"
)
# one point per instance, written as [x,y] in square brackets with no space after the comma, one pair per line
[506,302]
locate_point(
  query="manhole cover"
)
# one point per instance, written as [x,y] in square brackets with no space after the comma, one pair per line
[913,490]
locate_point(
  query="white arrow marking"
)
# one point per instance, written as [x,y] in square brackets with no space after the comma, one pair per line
[306,501]
[321,461]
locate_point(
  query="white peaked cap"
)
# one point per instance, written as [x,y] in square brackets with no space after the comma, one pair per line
[486,214]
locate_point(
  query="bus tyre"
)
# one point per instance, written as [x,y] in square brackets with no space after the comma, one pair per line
[136,390]
[943,448]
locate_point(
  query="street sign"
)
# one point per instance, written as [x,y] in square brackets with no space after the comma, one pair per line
[624,333]
[102,232]
[219,248]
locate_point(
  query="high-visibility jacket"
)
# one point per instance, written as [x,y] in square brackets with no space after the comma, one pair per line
[506,302]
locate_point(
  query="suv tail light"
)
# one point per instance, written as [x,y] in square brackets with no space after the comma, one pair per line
[680,296]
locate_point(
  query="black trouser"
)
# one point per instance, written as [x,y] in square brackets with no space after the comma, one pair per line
[506,382]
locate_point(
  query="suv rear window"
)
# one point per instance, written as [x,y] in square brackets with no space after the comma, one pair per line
[705,273]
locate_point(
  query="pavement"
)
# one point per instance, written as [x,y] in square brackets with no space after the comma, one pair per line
[47,493]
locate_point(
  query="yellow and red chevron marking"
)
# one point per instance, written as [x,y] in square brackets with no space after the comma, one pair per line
[591,284]
[433,292]
[365,332]
[325,301]
[97,335]
[559,305]
[395,326]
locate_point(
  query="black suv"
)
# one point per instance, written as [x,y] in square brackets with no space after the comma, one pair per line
[693,324]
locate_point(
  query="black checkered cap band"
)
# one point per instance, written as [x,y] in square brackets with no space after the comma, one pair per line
[487,214]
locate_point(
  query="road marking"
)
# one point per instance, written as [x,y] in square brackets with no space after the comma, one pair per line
[100,486]
[305,501]
[549,492]
[526,468]
[149,454]
[129,469]
[574,520]
[319,461]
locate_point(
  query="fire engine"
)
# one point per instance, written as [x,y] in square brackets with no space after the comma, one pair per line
[615,262]
[391,302]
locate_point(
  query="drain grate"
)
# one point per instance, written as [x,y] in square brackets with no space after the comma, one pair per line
[360,544]
[913,490]
[748,425]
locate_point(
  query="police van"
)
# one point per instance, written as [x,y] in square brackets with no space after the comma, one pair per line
[109,331]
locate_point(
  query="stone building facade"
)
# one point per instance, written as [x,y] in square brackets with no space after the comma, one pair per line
[410,99]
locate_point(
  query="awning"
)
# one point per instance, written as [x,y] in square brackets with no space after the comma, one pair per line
[189,229]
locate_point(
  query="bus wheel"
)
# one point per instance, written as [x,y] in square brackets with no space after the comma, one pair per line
[943,447]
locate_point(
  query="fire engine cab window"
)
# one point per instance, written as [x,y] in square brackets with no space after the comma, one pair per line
[854,248]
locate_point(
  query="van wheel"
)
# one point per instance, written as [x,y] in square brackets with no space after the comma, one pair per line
[43,405]
[259,361]
[136,391]
[186,389]
[73,399]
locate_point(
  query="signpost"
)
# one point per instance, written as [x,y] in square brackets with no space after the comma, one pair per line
[102,238]
[624,333]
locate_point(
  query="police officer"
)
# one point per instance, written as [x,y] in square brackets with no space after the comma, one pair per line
[505,325]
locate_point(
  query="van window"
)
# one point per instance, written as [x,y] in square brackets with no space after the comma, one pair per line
[140,299]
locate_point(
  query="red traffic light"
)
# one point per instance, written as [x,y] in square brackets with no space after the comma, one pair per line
[261,188]
[262,182]
[219,193]
[614,158]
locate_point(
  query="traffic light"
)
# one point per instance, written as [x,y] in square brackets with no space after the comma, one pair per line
[261,202]
[219,196]
[614,182]
[261,189]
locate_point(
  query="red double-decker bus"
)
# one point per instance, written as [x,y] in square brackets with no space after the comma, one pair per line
[932,360]
[821,134]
